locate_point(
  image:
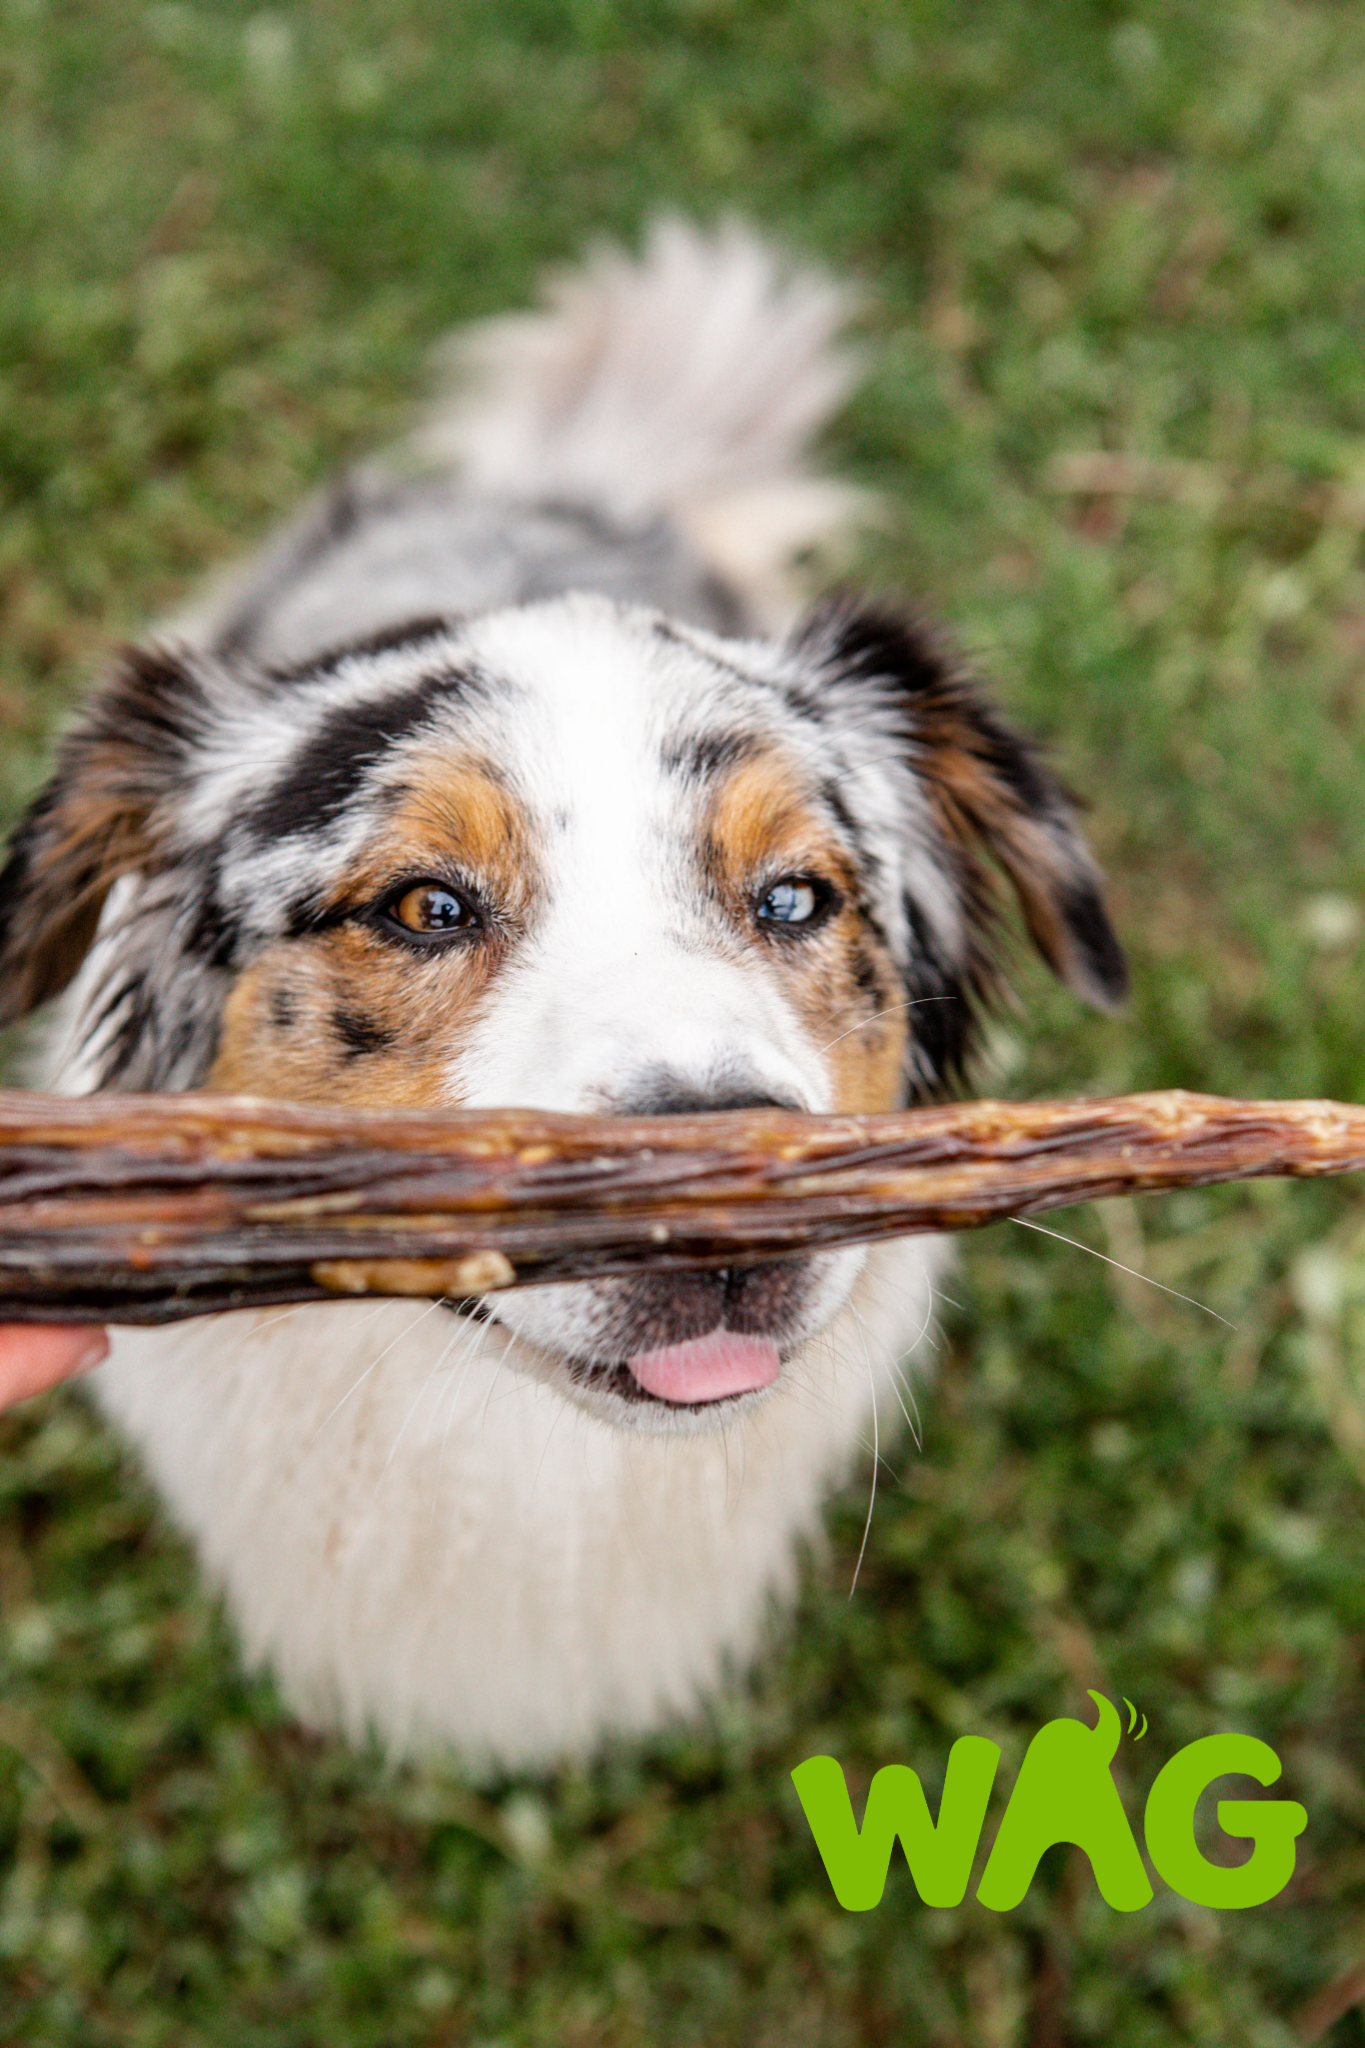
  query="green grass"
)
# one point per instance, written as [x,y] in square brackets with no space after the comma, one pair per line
[228,238]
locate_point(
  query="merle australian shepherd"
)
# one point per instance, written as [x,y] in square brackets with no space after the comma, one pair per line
[503,776]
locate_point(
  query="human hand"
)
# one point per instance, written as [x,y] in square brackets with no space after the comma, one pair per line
[35,1356]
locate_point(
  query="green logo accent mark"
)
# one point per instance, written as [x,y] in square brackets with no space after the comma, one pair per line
[1065,1792]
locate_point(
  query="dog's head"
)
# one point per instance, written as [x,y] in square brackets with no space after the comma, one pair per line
[571,857]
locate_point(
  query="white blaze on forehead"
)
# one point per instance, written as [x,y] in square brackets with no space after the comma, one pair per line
[627,970]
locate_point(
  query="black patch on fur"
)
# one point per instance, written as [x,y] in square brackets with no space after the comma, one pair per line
[157,698]
[210,933]
[865,976]
[942,1012]
[994,785]
[303,916]
[1087,920]
[132,1006]
[329,769]
[284,1013]
[707,754]
[875,646]
[359,1035]
[804,703]
[1013,760]
[183,1036]
[116,997]
[866,644]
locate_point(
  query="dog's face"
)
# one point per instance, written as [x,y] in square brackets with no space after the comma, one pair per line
[567,857]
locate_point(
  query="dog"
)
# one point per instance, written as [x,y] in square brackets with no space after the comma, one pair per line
[501,778]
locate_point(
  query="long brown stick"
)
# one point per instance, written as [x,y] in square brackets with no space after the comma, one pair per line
[150,1208]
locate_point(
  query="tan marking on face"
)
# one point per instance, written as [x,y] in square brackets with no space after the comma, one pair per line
[452,813]
[345,1016]
[841,980]
[348,1015]
[869,1064]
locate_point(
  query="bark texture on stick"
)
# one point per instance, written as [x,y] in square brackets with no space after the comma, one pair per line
[150,1208]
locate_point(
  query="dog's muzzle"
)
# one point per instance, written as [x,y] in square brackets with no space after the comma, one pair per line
[697,1337]
[694,1338]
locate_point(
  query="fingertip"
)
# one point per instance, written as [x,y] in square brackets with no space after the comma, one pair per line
[34,1357]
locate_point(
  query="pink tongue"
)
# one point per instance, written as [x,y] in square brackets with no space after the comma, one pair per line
[708,1368]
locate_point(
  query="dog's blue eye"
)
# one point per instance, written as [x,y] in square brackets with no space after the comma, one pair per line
[431,909]
[793,901]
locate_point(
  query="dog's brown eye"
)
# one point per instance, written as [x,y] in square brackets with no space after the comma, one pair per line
[796,902]
[431,910]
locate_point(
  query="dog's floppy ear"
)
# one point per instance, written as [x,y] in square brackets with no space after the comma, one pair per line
[102,815]
[989,790]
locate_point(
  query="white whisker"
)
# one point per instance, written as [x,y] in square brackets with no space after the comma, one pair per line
[1174,1292]
[369,1369]
[912,1414]
[272,1321]
[876,1460]
[889,1011]
[915,1426]
[474,1351]
[298,1309]
[894,1388]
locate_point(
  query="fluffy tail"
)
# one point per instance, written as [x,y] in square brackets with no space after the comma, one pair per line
[688,384]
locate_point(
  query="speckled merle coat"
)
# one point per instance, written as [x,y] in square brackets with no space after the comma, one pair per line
[491,782]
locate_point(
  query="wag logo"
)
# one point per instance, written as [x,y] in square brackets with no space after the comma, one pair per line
[1065,1792]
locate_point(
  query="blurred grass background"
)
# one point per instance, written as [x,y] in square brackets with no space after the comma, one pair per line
[1117,260]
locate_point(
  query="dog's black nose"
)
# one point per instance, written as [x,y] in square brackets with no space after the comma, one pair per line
[666,1094]
[653,1310]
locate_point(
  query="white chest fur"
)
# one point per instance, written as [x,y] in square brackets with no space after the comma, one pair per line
[426,1542]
